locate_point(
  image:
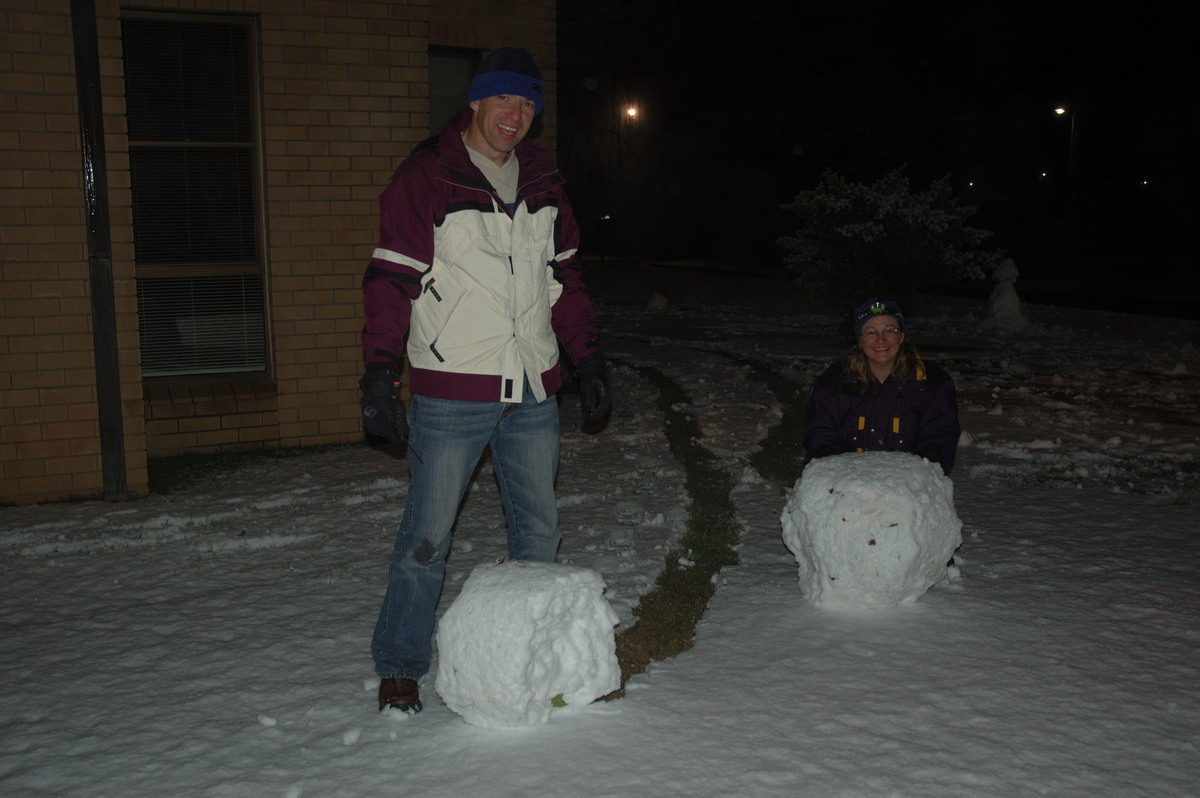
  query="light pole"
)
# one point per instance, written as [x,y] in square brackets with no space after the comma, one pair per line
[1062,110]
[626,118]
[627,114]
[1072,175]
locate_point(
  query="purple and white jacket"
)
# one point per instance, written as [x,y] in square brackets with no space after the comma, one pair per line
[478,298]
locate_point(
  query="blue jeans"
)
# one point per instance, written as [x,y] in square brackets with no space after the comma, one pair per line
[446,441]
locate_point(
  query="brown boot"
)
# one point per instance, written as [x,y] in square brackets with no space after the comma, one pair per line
[400,694]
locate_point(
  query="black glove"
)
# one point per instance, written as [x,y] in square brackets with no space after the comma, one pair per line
[595,384]
[823,451]
[931,453]
[382,408]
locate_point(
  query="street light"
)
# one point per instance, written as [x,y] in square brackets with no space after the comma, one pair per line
[1062,110]
[627,117]
[1072,173]
[622,128]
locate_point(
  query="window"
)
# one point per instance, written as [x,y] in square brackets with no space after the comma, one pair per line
[194,164]
[450,73]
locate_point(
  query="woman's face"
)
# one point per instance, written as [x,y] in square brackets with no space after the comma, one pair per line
[880,340]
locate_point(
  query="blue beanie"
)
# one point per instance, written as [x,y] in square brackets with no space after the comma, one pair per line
[508,70]
[876,307]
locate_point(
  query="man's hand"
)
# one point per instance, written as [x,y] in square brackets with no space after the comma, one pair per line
[595,385]
[383,410]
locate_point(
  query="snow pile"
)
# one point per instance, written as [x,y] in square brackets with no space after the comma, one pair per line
[871,530]
[525,639]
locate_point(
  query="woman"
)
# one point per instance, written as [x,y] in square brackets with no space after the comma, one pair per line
[883,396]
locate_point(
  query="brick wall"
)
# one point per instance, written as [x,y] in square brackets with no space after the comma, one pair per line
[344,99]
[49,421]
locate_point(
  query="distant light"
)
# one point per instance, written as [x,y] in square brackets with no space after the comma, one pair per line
[1060,111]
[631,112]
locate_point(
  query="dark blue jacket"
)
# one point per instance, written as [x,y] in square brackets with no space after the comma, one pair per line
[918,415]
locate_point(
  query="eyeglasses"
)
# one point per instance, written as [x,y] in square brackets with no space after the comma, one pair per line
[875,332]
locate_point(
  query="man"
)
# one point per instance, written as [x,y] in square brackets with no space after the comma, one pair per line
[475,278]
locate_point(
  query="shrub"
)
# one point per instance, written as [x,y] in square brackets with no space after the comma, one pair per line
[882,240]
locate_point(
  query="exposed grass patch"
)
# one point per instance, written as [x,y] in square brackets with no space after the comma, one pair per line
[780,457]
[667,615]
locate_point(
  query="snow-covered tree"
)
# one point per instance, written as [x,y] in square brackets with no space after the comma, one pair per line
[858,240]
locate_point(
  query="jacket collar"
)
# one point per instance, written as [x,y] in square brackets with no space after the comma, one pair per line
[535,171]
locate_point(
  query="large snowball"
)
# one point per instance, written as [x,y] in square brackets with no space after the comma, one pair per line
[526,639]
[871,529]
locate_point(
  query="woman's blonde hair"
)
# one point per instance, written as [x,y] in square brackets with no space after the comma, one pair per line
[858,368]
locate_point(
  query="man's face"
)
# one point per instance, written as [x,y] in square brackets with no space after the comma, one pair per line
[498,125]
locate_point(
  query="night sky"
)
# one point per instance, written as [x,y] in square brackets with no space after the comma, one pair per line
[740,111]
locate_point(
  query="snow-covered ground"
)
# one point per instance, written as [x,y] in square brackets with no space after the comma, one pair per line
[214,641]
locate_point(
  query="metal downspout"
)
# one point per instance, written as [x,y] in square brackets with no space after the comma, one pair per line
[99,236]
